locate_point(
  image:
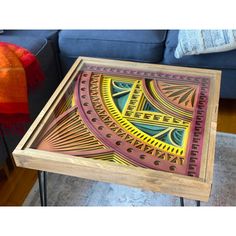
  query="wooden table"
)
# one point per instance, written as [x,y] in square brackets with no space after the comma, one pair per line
[143,125]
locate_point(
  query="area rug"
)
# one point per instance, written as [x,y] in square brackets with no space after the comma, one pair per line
[72,191]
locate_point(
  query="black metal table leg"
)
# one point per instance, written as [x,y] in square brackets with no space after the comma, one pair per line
[198,203]
[10,161]
[42,187]
[45,188]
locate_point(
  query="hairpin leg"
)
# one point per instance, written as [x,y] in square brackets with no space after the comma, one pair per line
[198,203]
[45,188]
[181,201]
[42,187]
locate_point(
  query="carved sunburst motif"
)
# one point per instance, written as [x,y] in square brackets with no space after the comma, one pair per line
[183,95]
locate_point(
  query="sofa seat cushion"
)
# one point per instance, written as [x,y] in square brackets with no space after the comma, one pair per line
[135,45]
[34,45]
[220,60]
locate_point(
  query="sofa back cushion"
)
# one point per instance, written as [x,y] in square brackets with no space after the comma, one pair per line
[133,45]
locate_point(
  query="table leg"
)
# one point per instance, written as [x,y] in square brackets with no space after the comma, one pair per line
[10,161]
[42,187]
[198,203]
[45,188]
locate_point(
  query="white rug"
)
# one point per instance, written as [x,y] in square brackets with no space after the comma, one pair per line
[72,191]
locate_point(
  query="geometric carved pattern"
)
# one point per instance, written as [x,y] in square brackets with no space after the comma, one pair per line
[148,119]
[182,95]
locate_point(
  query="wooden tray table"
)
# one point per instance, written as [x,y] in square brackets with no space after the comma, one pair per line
[143,125]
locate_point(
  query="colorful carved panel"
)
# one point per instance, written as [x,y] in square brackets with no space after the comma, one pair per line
[148,119]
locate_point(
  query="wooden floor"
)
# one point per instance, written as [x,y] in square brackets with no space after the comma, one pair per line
[227,116]
[15,189]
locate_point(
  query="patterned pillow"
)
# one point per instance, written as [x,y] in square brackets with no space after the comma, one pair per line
[192,42]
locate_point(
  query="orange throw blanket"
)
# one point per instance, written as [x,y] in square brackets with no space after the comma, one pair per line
[19,70]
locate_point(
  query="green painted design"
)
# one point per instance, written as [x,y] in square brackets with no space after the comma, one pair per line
[120,86]
[121,101]
[177,136]
[120,93]
[168,135]
[149,107]
[148,129]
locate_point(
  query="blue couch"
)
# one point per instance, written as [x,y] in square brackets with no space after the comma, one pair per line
[57,50]
[151,46]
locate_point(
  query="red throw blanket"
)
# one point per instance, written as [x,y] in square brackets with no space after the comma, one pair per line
[19,71]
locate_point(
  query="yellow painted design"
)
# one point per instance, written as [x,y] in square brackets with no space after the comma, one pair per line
[133,112]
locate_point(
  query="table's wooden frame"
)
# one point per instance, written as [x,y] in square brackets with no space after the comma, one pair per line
[179,185]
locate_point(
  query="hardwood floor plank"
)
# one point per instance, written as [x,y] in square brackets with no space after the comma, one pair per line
[227,116]
[29,177]
[14,190]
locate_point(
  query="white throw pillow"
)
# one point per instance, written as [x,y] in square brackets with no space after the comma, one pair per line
[193,42]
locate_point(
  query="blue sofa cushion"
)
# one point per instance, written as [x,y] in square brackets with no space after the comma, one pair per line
[220,60]
[48,34]
[135,45]
[34,45]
